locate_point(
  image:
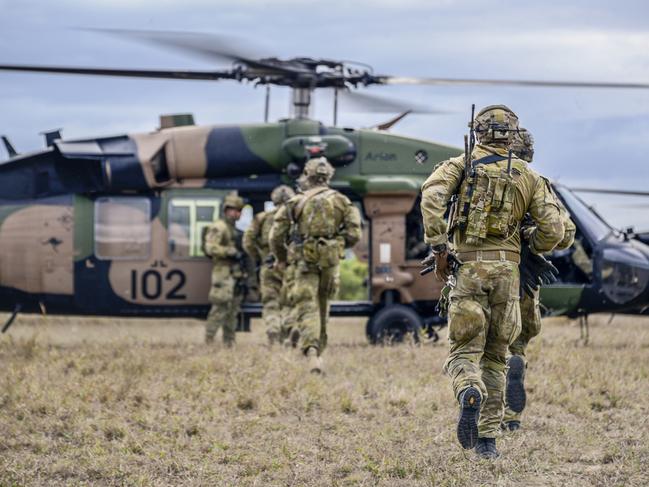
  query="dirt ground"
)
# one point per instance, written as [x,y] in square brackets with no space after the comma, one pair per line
[87,401]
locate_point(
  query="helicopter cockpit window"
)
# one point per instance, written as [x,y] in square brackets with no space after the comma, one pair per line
[592,223]
[188,217]
[122,228]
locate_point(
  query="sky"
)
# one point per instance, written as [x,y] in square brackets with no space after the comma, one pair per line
[583,137]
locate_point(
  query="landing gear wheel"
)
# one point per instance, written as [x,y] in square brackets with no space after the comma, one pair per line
[393,323]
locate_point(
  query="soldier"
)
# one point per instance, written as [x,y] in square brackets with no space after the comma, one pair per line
[255,243]
[310,234]
[484,317]
[222,242]
[290,330]
[515,397]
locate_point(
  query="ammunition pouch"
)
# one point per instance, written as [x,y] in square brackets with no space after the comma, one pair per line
[323,252]
[487,202]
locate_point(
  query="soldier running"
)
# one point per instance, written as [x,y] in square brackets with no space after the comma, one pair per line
[493,192]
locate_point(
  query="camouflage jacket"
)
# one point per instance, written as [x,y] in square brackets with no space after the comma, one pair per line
[255,238]
[533,194]
[569,228]
[220,242]
[347,221]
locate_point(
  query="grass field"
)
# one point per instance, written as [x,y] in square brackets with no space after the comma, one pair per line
[118,402]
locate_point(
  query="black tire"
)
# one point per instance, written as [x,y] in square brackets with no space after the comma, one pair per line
[392,323]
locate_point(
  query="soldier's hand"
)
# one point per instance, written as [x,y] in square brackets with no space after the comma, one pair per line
[442,269]
[279,265]
[527,228]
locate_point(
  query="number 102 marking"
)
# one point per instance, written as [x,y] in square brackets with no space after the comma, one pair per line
[149,284]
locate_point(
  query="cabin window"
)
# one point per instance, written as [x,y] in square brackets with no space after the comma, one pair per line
[122,228]
[188,218]
[416,248]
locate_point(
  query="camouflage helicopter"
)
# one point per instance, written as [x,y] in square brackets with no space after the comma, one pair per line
[111,226]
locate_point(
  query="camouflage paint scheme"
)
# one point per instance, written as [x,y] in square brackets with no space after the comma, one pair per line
[47,214]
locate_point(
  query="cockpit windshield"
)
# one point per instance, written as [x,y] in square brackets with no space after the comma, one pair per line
[589,221]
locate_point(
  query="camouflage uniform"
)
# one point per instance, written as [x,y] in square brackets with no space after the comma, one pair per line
[222,244]
[309,235]
[255,243]
[523,146]
[484,315]
[290,318]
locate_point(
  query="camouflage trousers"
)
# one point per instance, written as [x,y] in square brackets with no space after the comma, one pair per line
[225,296]
[270,280]
[531,327]
[484,319]
[308,298]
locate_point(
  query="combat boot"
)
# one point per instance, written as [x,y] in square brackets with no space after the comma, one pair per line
[486,448]
[515,392]
[512,425]
[294,337]
[315,361]
[467,423]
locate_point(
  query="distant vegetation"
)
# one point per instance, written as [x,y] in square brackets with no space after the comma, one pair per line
[353,280]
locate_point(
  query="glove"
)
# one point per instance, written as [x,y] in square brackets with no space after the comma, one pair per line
[535,271]
[438,261]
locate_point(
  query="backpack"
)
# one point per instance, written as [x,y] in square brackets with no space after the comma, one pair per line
[316,216]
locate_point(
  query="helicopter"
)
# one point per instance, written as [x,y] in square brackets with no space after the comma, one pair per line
[111,225]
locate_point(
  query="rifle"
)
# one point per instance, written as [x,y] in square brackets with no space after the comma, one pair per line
[469,144]
[429,263]
[243,263]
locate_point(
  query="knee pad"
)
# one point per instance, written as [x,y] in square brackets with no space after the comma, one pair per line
[466,320]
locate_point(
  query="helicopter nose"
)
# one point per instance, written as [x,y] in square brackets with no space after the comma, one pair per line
[624,274]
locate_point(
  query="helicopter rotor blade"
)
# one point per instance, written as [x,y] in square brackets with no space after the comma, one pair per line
[211,46]
[363,102]
[129,73]
[399,80]
[621,192]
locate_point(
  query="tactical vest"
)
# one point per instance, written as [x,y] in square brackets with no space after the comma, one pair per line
[315,219]
[318,218]
[485,201]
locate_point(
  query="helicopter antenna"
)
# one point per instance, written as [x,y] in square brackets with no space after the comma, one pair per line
[267,103]
[9,146]
[335,106]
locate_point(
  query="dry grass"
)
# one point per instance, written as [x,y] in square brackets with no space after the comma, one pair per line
[107,402]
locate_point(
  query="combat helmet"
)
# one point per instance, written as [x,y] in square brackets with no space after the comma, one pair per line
[318,171]
[496,125]
[233,200]
[523,145]
[281,194]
